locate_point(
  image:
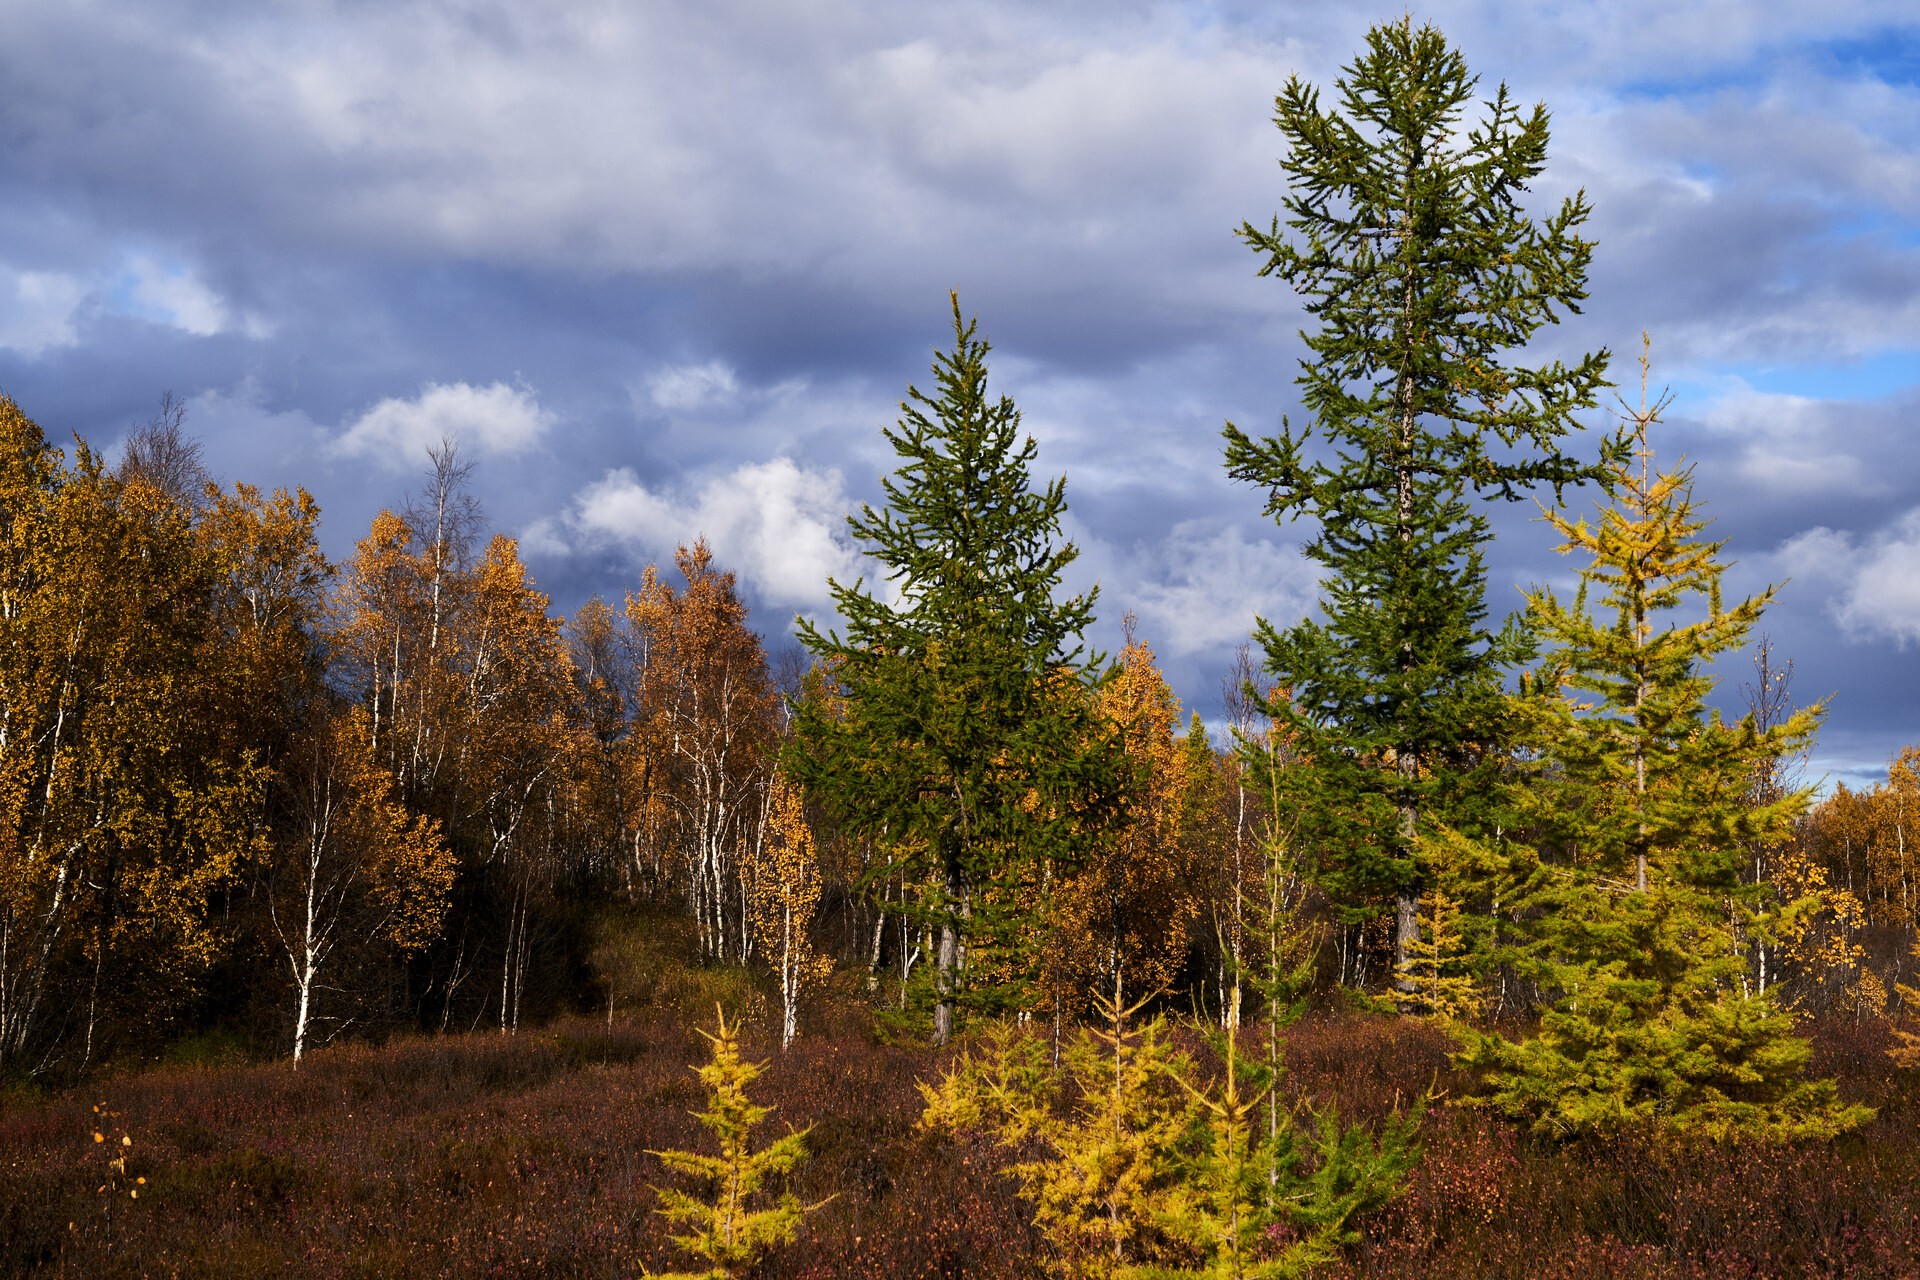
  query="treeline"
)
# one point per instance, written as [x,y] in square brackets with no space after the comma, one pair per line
[251,790]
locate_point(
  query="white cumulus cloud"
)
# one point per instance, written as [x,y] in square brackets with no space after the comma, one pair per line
[1207,584]
[1874,581]
[174,296]
[692,386]
[494,419]
[779,525]
[36,310]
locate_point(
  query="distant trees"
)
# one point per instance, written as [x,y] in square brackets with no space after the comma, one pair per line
[1126,916]
[705,731]
[968,740]
[128,795]
[1406,242]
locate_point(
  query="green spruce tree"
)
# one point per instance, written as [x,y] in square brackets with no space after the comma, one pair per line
[968,741]
[1406,242]
[1642,813]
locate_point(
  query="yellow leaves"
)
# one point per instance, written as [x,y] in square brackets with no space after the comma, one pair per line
[1438,967]
[783,879]
[126,784]
[1875,835]
[1905,1050]
[1135,901]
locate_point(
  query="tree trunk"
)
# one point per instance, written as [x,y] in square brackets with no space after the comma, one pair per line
[947,972]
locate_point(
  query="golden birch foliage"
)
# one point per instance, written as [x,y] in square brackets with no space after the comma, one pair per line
[1870,840]
[270,596]
[127,804]
[1128,913]
[1818,931]
[723,1228]
[1893,850]
[704,735]
[390,652]
[355,872]
[784,885]
[515,702]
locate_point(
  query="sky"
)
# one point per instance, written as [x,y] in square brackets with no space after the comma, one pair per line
[666,270]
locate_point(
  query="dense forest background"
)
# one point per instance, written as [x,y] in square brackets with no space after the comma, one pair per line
[258,795]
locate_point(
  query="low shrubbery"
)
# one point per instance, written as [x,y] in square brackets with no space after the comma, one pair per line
[488,1155]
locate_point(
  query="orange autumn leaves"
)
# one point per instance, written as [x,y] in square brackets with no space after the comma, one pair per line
[1128,914]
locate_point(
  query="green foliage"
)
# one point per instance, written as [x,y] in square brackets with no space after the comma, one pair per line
[724,1230]
[966,736]
[1238,1184]
[1143,1170]
[1650,1030]
[1408,246]
[1644,812]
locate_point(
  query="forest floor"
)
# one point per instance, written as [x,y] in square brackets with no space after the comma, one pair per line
[483,1155]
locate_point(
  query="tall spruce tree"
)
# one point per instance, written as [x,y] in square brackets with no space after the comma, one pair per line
[1406,242]
[1642,814]
[968,741]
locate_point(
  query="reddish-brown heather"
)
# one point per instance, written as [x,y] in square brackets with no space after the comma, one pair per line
[489,1156]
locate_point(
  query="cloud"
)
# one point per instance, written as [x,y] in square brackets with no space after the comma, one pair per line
[494,419]
[1874,582]
[37,310]
[172,296]
[779,525]
[753,265]
[693,386]
[1204,585]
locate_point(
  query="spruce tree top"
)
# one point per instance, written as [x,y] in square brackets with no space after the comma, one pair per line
[971,546]
[1410,249]
[1407,245]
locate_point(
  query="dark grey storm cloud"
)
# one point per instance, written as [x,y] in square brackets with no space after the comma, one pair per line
[666,270]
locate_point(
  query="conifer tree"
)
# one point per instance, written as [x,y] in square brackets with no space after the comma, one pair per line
[1437,976]
[724,1230]
[1408,246]
[1099,1174]
[1645,814]
[968,740]
[1146,1171]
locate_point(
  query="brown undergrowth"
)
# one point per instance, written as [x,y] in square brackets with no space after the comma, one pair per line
[526,1156]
